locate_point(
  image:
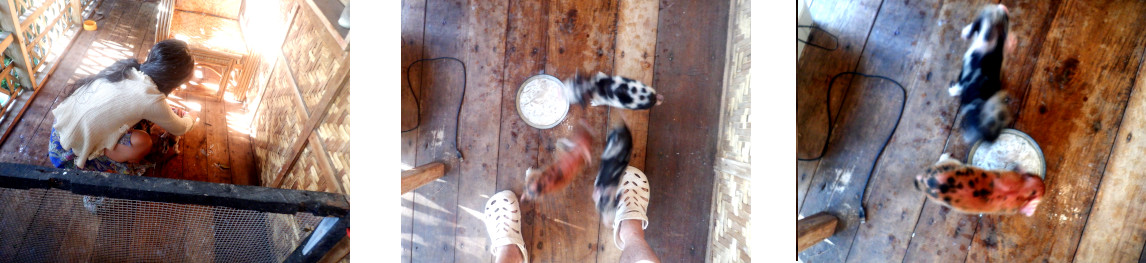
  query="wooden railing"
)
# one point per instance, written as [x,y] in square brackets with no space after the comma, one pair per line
[42,31]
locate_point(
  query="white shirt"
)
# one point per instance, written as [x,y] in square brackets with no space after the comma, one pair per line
[93,119]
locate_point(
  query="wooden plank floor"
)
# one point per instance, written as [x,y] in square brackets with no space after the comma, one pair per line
[128,31]
[1075,82]
[505,42]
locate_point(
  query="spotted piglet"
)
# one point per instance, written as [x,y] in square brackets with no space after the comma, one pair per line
[970,189]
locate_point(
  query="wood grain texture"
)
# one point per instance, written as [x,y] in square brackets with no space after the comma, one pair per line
[804,172]
[859,134]
[839,182]
[850,21]
[215,142]
[435,209]
[243,169]
[1030,21]
[485,61]
[525,56]
[581,38]
[921,50]
[412,179]
[1090,87]
[813,229]
[689,69]
[1114,232]
[634,58]
[557,38]
[413,23]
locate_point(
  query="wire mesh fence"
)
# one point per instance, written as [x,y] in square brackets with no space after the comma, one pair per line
[56,215]
[49,225]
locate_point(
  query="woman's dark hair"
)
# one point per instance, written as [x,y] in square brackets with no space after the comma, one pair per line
[169,65]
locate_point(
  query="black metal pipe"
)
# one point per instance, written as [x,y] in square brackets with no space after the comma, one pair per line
[246,197]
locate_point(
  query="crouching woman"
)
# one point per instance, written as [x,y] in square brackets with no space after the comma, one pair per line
[93,128]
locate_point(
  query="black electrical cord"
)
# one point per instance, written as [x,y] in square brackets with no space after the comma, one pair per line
[837,40]
[831,121]
[461,100]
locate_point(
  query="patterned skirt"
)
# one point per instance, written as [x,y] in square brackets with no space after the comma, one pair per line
[65,158]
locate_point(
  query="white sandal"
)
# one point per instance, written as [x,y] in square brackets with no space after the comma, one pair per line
[632,201]
[503,222]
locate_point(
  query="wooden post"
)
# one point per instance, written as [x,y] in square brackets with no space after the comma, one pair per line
[812,229]
[19,56]
[76,17]
[412,179]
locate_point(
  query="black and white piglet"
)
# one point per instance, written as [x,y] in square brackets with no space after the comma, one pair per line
[614,160]
[982,102]
[615,91]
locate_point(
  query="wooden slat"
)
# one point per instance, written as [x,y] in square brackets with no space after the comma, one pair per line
[328,180]
[25,131]
[479,124]
[243,169]
[634,58]
[21,58]
[921,136]
[813,229]
[435,204]
[8,38]
[525,56]
[691,49]
[333,87]
[166,9]
[1114,232]
[35,15]
[413,23]
[193,144]
[581,38]
[213,121]
[421,175]
[804,172]
[850,21]
[937,227]
[45,31]
[1090,88]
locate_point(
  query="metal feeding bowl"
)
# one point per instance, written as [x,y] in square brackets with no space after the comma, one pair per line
[541,101]
[1013,147]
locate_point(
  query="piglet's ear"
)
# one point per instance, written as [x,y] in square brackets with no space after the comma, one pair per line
[1029,208]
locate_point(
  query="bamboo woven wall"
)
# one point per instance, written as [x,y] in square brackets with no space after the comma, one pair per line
[312,55]
[334,136]
[730,232]
[305,174]
[300,97]
[274,19]
[279,122]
